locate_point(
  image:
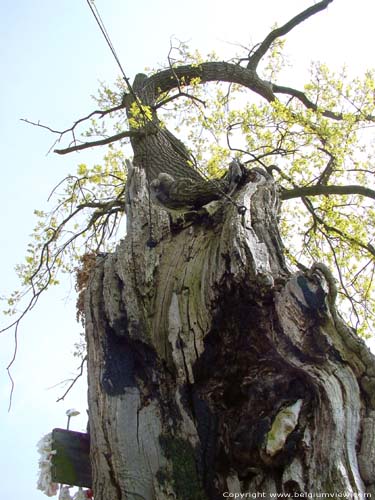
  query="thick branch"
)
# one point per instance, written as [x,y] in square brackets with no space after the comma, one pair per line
[101,142]
[283,30]
[211,72]
[299,192]
[232,73]
[247,77]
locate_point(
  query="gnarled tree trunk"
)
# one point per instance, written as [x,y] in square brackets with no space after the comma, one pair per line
[213,370]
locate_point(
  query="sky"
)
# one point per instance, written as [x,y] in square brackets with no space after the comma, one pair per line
[53,58]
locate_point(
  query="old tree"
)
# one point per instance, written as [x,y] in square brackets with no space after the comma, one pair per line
[218,362]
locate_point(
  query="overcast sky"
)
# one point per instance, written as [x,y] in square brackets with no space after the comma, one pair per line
[53,57]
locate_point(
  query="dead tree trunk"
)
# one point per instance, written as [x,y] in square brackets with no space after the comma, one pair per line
[213,370]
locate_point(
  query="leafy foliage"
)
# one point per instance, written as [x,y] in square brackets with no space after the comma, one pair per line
[318,138]
[89,206]
[303,147]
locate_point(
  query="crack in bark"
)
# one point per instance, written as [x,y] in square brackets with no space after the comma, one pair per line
[181,348]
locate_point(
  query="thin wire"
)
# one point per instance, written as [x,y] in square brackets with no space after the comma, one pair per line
[100,22]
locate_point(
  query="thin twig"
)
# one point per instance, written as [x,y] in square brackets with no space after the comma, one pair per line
[61,398]
[99,112]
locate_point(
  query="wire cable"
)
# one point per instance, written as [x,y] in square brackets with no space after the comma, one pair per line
[100,23]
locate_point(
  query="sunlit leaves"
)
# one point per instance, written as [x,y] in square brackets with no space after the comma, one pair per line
[139,115]
[302,147]
[275,60]
[87,213]
[328,142]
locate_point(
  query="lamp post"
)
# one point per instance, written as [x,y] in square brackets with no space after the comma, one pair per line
[71,413]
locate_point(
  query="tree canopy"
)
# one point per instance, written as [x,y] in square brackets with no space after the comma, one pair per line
[314,141]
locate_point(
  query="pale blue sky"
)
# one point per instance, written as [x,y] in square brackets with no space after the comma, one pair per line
[52,57]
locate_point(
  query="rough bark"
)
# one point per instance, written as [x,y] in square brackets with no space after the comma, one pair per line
[168,165]
[213,369]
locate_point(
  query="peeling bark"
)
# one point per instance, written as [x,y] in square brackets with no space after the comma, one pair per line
[213,369]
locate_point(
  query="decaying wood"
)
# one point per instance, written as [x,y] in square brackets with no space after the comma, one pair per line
[213,369]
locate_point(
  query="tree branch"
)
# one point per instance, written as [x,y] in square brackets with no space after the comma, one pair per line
[317,190]
[283,30]
[301,96]
[99,112]
[103,206]
[212,71]
[327,172]
[80,373]
[101,142]
[170,79]
[232,73]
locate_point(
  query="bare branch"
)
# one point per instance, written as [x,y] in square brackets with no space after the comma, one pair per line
[61,398]
[38,124]
[100,142]
[283,30]
[99,112]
